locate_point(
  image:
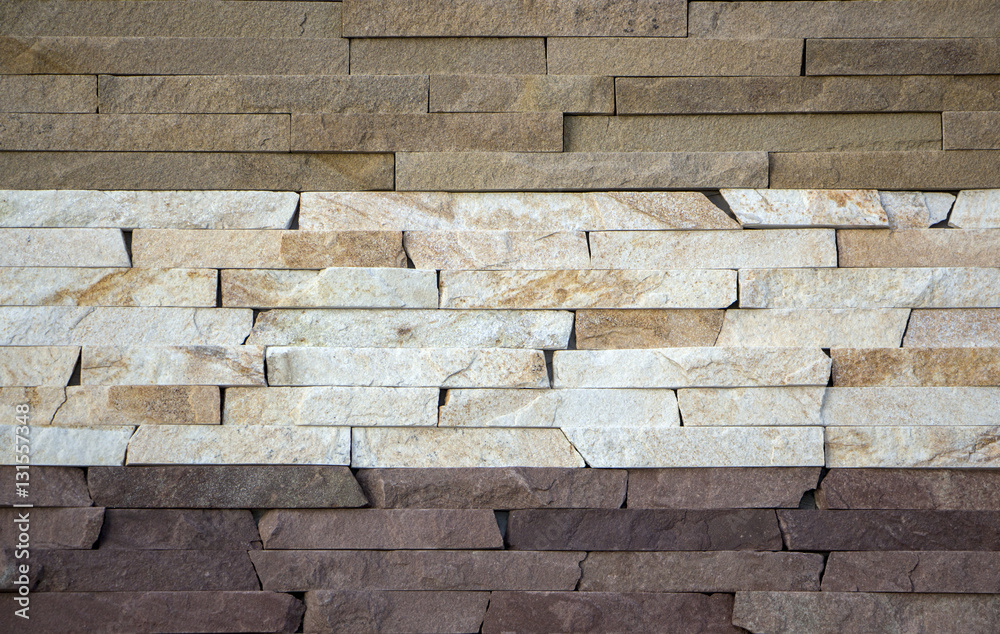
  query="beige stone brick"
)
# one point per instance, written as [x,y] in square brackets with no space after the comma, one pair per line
[448,56]
[522,93]
[55,93]
[925,56]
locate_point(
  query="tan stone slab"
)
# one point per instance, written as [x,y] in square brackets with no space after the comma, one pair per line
[559,408]
[971,130]
[503,171]
[971,92]
[913,447]
[647,328]
[57,93]
[497,18]
[776,248]
[806,207]
[906,406]
[72,446]
[43,402]
[263,93]
[407,367]
[448,56]
[693,288]
[74,286]
[833,328]
[348,406]
[240,444]
[916,367]
[330,288]
[387,447]
[497,250]
[518,211]
[925,56]
[729,95]
[144,132]
[62,247]
[173,56]
[171,19]
[434,132]
[976,209]
[932,247]
[699,446]
[522,93]
[869,288]
[94,405]
[955,328]
[690,367]
[877,19]
[414,328]
[194,170]
[267,249]
[954,169]
[915,210]
[172,365]
[751,406]
[23,366]
[754,133]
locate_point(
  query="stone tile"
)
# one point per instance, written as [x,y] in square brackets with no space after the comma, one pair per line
[240,444]
[777,248]
[70,286]
[54,93]
[267,249]
[434,132]
[699,447]
[600,611]
[173,365]
[971,92]
[890,530]
[43,402]
[131,210]
[387,610]
[502,488]
[517,211]
[725,571]
[448,56]
[356,94]
[916,367]
[683,57]
[960,572]
[540,171]
[587,289]
[933,247]
[926,56]
[62,247]
[145,132]
[783,612]
[213,487]
[522,93]
[631,529]
[413,328]
[379,529]
[841,132]
[976,209]
[833,328]
[195,170]
[346,406]
[869,288]
[111,326]
[646,328]
[955,169]
[50,486]
[330,288]
[89,405]
[406,367]
[915,210]
[903,406]
[179,529]
[299,570]
[173,55]
[691,367]
[755,406]
[52,527]
[912,446]
[940,204]
[806,207]
[559,408]
[971,130]
[72,447]
[719,488]
[22,366]
[956,489]
[956,328]
[497,250]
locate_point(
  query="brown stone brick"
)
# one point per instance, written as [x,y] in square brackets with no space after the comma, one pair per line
[922,171]
[52,527]
[391,611]
[915,367]
[890,530]
[179,529]
[907,571]
[971,92]
[918,247]
[956,489]
[48,486]
[647,328]
[522,93]
[720,488]
[448,56]
[925,56]
[971,130]
[39,93]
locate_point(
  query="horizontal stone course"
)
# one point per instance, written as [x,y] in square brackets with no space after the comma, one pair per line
[901,406]
[719,487]
[915,210]
[522,93]
[836,328]
[751,406]
[50,486]
[954,489]
[179,529]
[902,56]
[54,93]
[971,130]
[240,444]
[24,366]
[932,248]
[338,287]
[52,528]
[62,247]
[448,56]
[976,209]
[646,328]
[345,406]
[915,446]
[807,208]
[172,365]
[389,610]
[827,530]
[72,446]
[915,367]
[497,250]
[907,170]
[95,405]
[895,571]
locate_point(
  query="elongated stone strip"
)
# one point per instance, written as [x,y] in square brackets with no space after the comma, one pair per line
[931,247]
[93,405]
[806,207]
[240,444]
[835,328]
[24,366]
[347,406]
[916,367]
[646,328]
[73,286]
[913,446]
[903,406]
[497,250]
[330,288]
[976,209]
[63,247]
[752,406]
[957,328]
[173,365]
[71,446]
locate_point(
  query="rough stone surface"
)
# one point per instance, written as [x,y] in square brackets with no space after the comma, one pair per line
[497,250]
[903,56]
[347,406]
[961,572]
[778,248]
[888,249]
[240,444]
[50,486]
[448,56]
[916,367]
[719,488]
[78,286]
[835,328]
[62,247]
[379,529]
[379,447]
[406,367]
[588,289]
[971,130]
[646,328]
[939,204]
[390,611]
[956,489]
[901,406]
[767,406]
[72,447]
[51,527]
[22,366]
[55,93]
[330,288]
[505,488]
[522,93]
[806,207]
[915,210]
[179,529]
[173,365]
[976,209]
[83,405]
[913,446]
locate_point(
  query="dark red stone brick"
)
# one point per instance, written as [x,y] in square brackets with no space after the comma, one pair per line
[351,611]
[822,530]
[47,486]
[895,571]
[940,489]
[720,488]
[76,527]
[191,529]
